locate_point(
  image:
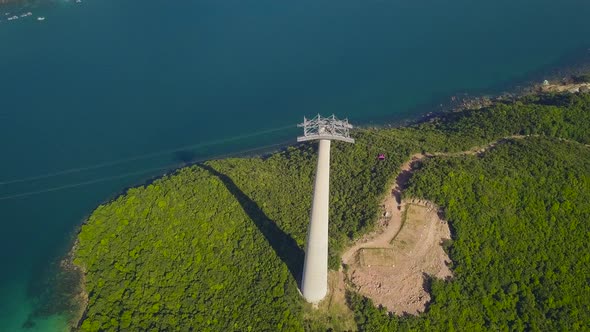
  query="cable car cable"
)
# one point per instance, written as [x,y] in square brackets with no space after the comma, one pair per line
[121,176]
[139,157]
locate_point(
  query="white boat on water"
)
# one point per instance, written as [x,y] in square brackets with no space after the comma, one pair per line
[40,18]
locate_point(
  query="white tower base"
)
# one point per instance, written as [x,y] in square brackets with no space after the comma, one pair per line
[314,283]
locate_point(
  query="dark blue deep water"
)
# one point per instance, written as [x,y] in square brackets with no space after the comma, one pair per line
[100,95]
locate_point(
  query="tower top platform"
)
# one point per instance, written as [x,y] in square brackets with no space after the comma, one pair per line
[329,128]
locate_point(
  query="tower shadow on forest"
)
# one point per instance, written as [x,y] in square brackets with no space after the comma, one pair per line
[282,243]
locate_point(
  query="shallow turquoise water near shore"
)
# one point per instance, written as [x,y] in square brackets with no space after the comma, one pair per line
[101,82]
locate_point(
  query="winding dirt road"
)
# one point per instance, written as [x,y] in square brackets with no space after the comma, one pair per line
[405,248]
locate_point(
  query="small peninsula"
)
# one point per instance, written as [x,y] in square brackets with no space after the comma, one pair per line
[504,191]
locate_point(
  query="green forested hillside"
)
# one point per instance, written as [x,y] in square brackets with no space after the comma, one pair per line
[520,222]
[182,252]
[218,246]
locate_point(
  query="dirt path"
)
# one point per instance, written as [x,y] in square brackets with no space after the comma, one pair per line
[388,226]
[390,265]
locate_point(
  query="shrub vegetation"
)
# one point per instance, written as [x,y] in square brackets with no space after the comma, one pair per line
[218,246]
[519,215]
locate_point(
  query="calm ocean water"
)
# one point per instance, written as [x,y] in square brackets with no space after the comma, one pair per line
[100,95]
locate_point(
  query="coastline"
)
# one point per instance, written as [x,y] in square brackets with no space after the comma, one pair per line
[558,72]
[80,298]
[206,101]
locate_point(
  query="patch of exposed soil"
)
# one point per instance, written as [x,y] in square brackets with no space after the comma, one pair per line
[389,265]
[391,271]
[394,275]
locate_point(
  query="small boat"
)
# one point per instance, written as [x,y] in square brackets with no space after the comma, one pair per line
[40,18]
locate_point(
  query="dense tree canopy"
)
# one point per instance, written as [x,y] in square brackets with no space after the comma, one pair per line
[218,246]
[519,215]
[157,259]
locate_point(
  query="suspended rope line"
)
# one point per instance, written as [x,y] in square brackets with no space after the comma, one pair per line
[375,134]
[80,184]
[140,157]
[121,176]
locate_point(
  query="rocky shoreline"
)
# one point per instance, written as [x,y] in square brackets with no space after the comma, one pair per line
[560,78]
[565,85]
[58,291]
[555,83]
[78,296]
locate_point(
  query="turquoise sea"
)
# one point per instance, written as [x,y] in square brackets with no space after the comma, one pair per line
[105,94]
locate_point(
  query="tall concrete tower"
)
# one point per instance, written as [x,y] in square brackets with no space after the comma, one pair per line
[314,283]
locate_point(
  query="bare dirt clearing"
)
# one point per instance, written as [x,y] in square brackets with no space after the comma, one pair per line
[391,270]
[389,264]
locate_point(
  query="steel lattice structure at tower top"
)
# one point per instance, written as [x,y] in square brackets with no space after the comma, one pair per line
[329,128]
[314,282]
